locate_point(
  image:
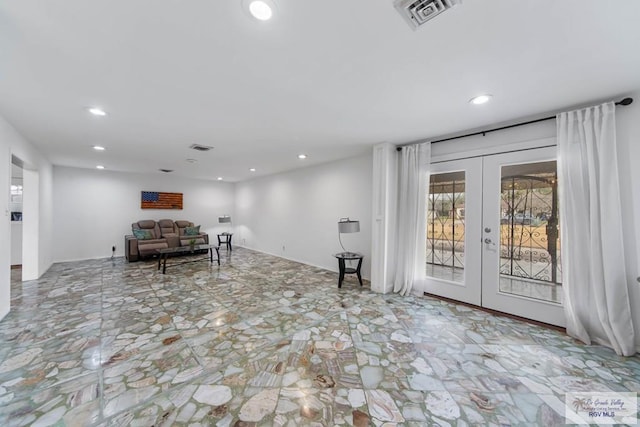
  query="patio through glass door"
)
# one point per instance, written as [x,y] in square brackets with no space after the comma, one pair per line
[493,233]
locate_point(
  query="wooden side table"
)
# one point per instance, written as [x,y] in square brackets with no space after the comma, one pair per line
[349,256]
[225,238]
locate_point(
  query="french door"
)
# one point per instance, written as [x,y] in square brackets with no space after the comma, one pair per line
[493,233]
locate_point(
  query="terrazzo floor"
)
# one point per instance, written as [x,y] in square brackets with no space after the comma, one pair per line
[262,341]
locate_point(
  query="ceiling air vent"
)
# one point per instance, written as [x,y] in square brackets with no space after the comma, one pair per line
[199,147]
[418,12]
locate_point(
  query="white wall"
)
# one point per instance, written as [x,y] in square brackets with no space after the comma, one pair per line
[384,217]
[16,242]
[31,225]
[39,260]
[46,224]
[517,138]
[5,224]
[628,138]
[295,214]
[93,209]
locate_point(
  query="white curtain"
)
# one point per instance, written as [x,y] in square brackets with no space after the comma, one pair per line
[596,292]
[413,171]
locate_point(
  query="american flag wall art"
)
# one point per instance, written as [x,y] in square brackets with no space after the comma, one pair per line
[160,200]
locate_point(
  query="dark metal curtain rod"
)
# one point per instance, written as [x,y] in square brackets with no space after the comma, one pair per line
[624,102]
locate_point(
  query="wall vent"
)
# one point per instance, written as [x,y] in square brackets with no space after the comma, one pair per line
[418,12]
[199,147]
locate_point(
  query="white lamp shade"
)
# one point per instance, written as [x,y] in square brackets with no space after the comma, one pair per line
[348,226]
[223,219]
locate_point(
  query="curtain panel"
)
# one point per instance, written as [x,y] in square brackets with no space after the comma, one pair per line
[413,174]
[596,292]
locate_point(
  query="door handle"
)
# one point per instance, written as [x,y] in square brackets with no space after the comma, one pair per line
[488,241]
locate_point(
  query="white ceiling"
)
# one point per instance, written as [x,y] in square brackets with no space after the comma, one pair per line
[328,78]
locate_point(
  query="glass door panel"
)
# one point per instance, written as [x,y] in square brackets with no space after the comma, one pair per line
[521,265]
[530,262]
[454,209]
[445,226]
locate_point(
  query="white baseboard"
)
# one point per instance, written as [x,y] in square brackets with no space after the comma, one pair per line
[299,261]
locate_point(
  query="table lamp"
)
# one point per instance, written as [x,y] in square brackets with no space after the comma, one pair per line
[346,225]
[225,219]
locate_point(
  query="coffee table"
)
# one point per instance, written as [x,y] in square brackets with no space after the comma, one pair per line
[186,250]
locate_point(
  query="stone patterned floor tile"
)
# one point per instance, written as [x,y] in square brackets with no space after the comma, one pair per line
[262,341]
[129,382]
[27,368]
[74,402]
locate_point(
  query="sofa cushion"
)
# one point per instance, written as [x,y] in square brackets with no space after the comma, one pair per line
[150,242]
[143,234]
[167,227]
[192,231]
[181,225]
[147,223]
[196,241]
[150,249]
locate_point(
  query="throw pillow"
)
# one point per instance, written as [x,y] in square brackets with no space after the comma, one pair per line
[143,234]
[192,231]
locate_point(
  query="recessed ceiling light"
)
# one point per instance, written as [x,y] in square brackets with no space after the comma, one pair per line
[97,111]
[191,160]
[261,10]
[99,167]
[252,169]
[482,99]
[302,156]
[219,178]
[98,148]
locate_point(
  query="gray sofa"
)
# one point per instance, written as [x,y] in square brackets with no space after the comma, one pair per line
[150,235]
